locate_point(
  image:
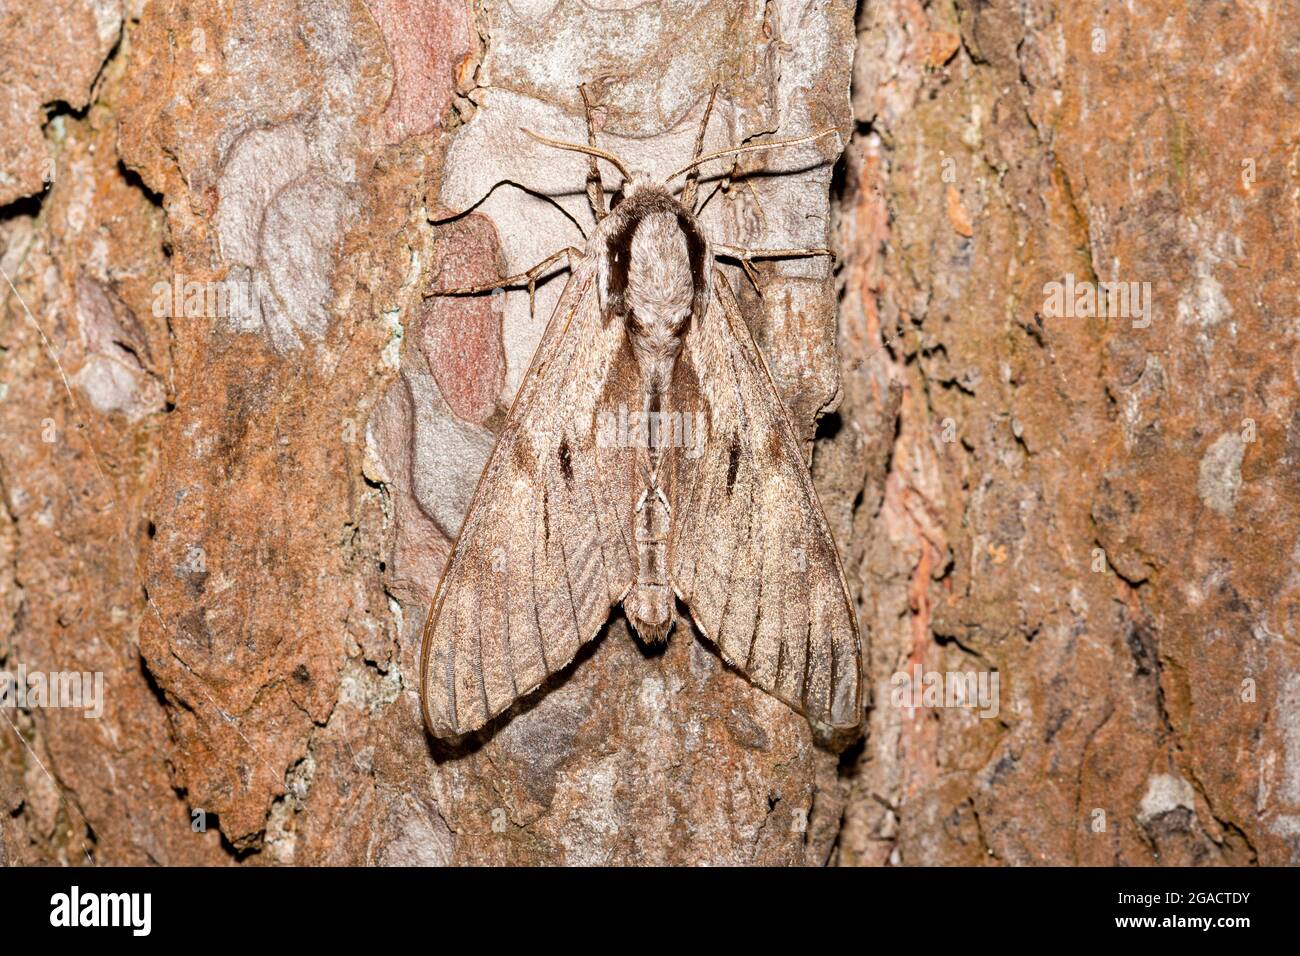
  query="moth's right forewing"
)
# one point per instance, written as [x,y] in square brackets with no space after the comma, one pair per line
[750,551]
[545,548]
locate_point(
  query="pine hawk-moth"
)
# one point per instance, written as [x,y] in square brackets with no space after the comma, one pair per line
[708,505]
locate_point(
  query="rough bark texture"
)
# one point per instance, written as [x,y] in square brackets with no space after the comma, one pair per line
[239,517]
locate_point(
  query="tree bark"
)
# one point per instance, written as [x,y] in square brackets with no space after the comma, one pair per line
[238,438]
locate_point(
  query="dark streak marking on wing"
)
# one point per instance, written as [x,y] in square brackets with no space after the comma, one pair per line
[566,460]
[733,464]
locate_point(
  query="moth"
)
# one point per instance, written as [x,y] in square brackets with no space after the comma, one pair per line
[648,460]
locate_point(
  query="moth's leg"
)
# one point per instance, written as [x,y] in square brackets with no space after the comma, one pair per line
[595,188]
[718,187]
[693,177]
[744,254]
[752,274]
[528,278]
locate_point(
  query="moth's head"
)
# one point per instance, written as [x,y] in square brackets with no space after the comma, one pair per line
[637,182]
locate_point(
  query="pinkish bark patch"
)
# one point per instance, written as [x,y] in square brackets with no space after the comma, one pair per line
[426,42]
[461,336]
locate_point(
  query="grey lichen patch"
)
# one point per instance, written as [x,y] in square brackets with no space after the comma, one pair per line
[368,688]
[414,835]
[280,222]
[447,455]
[1220,477]
[281,836]
[538,749]
[115,375]
[1205,304]
[1165,794]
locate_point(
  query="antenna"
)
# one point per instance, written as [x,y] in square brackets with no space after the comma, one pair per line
[581,148]
[751,147]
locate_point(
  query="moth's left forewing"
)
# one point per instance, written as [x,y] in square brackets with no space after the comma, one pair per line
[750,552]
[545,549]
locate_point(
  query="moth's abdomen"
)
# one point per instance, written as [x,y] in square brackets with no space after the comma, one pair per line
[649,606]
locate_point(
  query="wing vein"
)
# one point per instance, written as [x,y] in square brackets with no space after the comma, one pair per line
[607,573]
[568,584]
[622,527]
[537,618]
[482,671]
